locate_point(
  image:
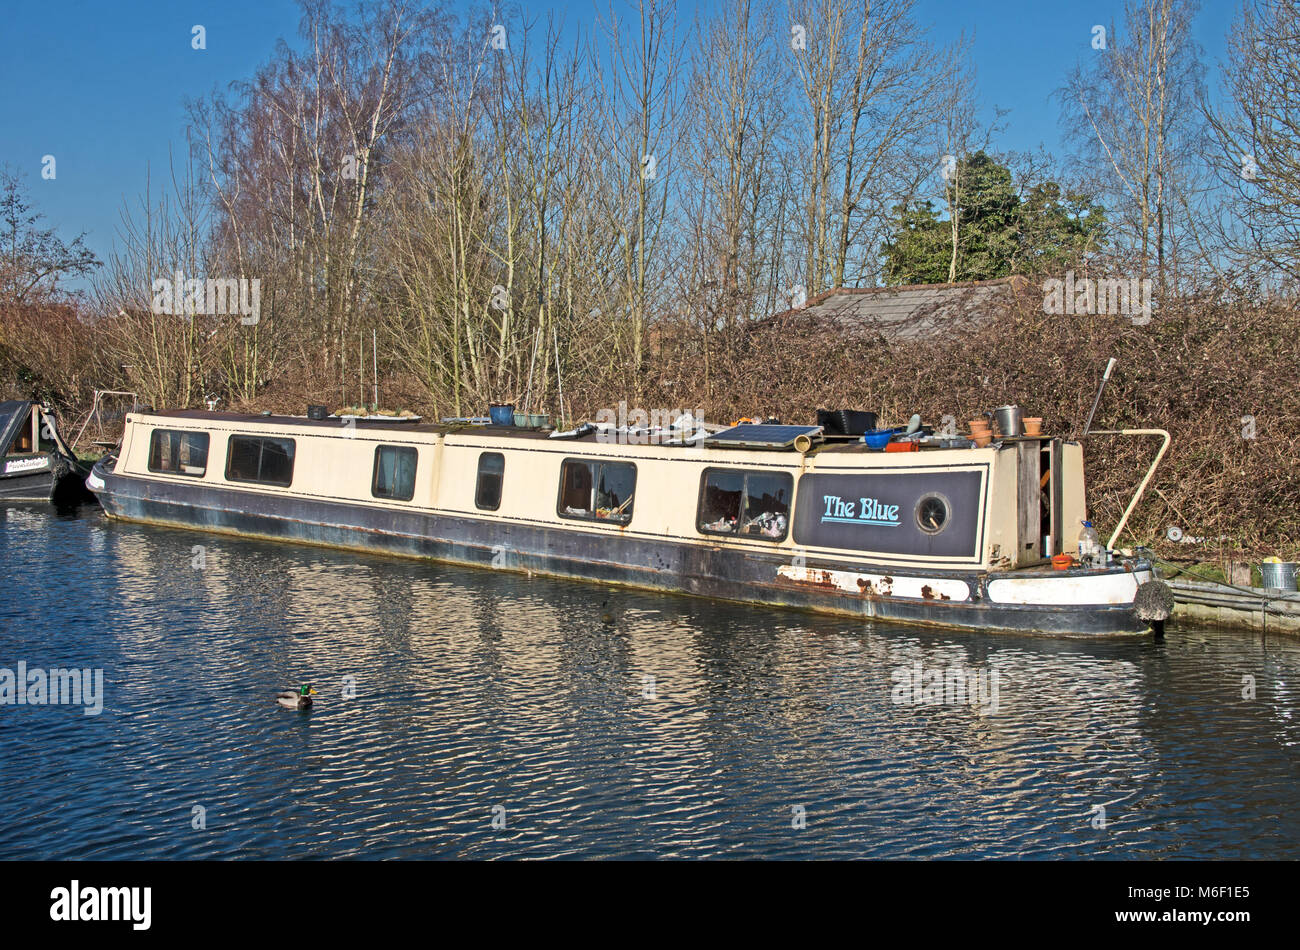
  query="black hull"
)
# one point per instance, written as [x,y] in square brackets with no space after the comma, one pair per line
[657,564]
[38,486]
[66,487]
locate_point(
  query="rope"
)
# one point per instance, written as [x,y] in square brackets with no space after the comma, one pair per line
[1265,599]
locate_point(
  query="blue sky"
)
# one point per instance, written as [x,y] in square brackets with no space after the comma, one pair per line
[101,85]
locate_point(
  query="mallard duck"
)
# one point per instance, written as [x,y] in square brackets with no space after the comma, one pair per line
[298,700]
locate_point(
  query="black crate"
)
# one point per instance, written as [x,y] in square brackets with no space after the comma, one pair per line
[845,421]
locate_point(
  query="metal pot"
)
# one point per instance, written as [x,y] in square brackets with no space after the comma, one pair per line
[1278,575]
[1008,421]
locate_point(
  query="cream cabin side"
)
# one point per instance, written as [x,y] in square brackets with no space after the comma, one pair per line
[383,467]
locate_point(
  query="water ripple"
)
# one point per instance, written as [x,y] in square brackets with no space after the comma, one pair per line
[497,715]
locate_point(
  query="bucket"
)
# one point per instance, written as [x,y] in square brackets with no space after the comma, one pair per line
[1278,575]
[502,415]
[1008,421]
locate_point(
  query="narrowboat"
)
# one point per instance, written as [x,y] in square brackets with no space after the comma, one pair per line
[947,535]
[37,464]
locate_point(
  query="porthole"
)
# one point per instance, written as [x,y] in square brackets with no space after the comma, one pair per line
[933,513]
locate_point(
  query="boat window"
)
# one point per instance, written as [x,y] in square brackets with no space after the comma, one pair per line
[260,459]
[178,453]
[745,504]
[597,491]
[933,512]
[487,491]
[394,472]
[22,443]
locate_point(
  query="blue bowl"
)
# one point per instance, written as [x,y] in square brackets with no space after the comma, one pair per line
[878,439]
[502,415]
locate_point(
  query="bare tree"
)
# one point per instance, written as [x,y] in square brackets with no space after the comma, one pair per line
[637,75]
[870,87]
[33,259]
[731,162]
[961,134]
[164,349]
[1256,138]
[295,158]
[1131,111]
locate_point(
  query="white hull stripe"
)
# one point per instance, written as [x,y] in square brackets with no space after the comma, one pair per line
[1081,589]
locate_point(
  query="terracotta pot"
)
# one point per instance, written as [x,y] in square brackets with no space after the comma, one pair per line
[1033,425]
[1062,562]
[981,438]
[979,424]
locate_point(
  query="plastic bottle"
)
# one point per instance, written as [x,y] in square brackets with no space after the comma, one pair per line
[1089,543]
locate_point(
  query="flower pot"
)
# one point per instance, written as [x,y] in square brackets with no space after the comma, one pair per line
[531,420]
[1033,425]
[1062,562]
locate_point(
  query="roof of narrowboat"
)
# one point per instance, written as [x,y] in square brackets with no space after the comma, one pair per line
[334,422]
[823,442]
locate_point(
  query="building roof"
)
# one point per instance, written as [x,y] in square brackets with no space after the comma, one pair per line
[913,310]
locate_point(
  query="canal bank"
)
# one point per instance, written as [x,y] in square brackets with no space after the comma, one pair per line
[1229,595]
[1268,610]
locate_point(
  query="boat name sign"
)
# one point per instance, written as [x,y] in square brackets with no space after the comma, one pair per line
[862,511]
[27,465]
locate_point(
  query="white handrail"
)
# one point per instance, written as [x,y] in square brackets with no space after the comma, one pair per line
[1141,489]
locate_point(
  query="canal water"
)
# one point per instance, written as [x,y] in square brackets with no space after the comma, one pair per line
[485,714]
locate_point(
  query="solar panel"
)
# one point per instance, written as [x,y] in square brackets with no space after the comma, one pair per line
[751,436]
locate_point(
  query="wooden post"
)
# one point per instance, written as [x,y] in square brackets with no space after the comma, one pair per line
[1029,518]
